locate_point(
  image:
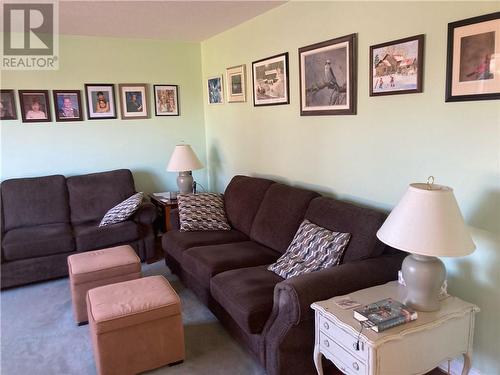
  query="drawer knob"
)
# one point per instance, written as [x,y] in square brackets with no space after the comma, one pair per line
[325,324]
[327,344]
[355,366]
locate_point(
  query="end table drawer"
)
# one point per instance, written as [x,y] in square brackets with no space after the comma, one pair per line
[345,361]
[344,338]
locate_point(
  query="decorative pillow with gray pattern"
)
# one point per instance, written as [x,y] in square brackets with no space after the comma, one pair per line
[122,211]
[202,212]
[312,249]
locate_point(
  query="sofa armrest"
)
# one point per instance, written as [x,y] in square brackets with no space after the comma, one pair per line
[146,214]
[174,219]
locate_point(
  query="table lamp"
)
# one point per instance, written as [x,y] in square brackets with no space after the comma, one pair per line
[426,223]
[184,160]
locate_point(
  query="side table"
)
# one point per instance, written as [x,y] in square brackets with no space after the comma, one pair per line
[163,206]
[413,348]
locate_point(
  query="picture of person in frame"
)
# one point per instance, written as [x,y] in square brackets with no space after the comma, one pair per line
[68,106]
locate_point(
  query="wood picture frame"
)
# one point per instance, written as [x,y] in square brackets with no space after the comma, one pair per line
[270,81]
[397,67]
[328,77]
[166,100]
[236,84]
[101,102]
[473,47]
[134,101]
[67,105]
[8,110]
[35,105]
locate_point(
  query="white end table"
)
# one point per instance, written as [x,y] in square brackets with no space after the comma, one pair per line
[412,348]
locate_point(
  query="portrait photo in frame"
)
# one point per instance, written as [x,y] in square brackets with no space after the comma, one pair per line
[236,84]
[100,101]
[7,105]
[134,102]
[35,105]
[328,77]
[472,66]
[270,81]
[67,105]
[166,100]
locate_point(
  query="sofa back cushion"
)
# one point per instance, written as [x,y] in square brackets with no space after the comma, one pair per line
[362,223]
[34,201]
[242,199]
[279,215]
[92,195]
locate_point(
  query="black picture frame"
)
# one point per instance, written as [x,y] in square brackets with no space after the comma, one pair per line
[110,89]
[60,117]
[257,102]
[9,110]
[420,39]
[24,97]
[351,79]
[451,64]
[156,99]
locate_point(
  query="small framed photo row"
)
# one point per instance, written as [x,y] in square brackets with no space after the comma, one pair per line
[35,105]
[236,84]
[472,63]
[134,101]
[67,105]
[100,101]
[215,90]
[328,77]
[397,67]
[270,81]
[166,100]
[7,105]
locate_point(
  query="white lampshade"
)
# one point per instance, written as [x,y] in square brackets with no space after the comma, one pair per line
[183,159]
[427,221]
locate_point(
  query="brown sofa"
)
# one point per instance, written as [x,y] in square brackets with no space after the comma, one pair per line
[45,219]
[269,315]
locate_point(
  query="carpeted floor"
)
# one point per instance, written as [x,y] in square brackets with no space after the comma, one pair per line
[39,336]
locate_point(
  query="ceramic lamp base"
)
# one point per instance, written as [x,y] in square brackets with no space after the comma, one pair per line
[185,182]
[423,276]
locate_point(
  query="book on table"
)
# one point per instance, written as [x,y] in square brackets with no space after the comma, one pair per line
[384,314]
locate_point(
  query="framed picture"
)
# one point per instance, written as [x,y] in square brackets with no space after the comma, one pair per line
[215,90]
[67,105]
[35,106]
[236,84]
[100,101]
[7,105]
[270,81]
[397,67]
[166,100]
[134,101]
[328,77]
[472,67]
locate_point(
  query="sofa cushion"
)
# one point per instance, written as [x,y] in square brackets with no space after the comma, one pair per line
[202,212]
[247,295]
[312,249]
[122,211]
[206,261]
[89,236]
[41,240]
[362,223]
[174,242]
[242,199]
[34,201]
[92,195]
[280,215]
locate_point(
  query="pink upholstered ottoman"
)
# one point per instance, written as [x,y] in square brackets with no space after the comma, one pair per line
[135,326]
[97,268]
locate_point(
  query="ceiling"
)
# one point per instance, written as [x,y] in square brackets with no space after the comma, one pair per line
[186,21]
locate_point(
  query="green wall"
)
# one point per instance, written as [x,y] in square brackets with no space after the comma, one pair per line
[144,146]
[393,140]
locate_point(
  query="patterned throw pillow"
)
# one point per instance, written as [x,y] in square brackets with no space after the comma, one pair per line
[123,210]
[312,249]
[202,212]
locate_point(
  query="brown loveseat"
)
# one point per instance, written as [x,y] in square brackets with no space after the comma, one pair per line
[270,315]
[45,219]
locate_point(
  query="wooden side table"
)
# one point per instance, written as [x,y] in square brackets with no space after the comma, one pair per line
[163,206]
[413,348]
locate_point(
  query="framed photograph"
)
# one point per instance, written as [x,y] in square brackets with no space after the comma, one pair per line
[236,84]
[328,77]
[472,66]
[7,105]
[134,101]
[166,100]
[397,67]
[67,105]
[100,101]
[215,90]
[270,81]
[35,105]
